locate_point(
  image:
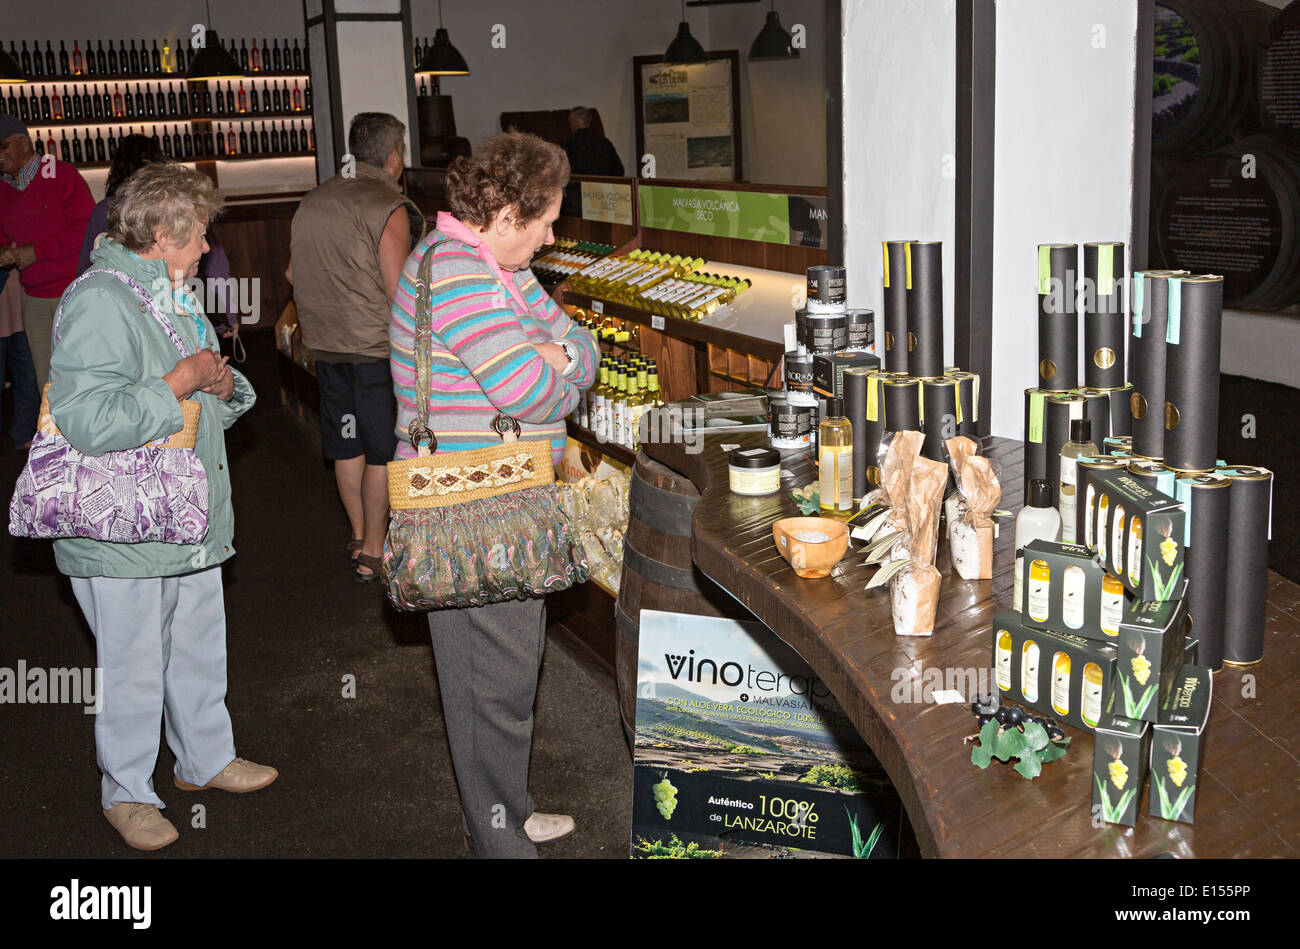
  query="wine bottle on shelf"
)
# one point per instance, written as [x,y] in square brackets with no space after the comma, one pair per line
[46,113]
[263,139]
[277,61]
[187,143]
[50,69]
[78,64]
[217,139]
[155,58]
[144,102]
[306,95]
[128,104]
[297,97]
[277,104]
[56,104]
[65,147]
[297,56]
[266,96]
[181,55]
[243,139]
[168,62]
[99,145]
[133,60]
[73,104]
[252,148]
[171,99]
[64,70]
[104,110]
[39,145]
[111,141]
[167,145]
[156,140]
[114,61]
[294,143]
[146,61]
[243,54]
[24,108]
[216,101]
[88,109]
[254,58]
[253,102]
[26,58]
[230,138]
[50,147]
[118,108]
[275,139]
[230,100]
[311,137]
[243,98]
[101,58]
[79,155]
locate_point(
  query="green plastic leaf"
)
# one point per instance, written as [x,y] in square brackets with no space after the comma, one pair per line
[1181,801]
[1054,750]
[1010,744]
[1129,710]
[1165,806]
[1147,696]
[1029,767]
[886,572]
[1124,800]
[1035,736]
[982,754]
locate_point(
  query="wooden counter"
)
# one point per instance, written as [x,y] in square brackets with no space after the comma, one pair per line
[1247,802]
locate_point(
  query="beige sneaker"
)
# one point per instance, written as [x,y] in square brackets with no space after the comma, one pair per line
[238,777]
[142,826]
[543,828]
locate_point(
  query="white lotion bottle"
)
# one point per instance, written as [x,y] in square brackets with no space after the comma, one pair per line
[1037,520]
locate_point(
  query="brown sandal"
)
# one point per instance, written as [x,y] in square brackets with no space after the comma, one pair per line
[354,548]
[374,564]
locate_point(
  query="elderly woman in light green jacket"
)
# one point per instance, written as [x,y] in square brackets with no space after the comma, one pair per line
[156,609]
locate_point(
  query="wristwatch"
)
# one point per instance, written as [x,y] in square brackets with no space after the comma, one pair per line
[571,351]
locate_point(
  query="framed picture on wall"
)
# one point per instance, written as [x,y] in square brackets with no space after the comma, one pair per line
[688,118]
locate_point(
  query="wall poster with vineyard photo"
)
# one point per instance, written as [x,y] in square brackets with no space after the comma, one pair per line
[742,752]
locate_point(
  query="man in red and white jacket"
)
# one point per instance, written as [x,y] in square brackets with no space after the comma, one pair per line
[44,208]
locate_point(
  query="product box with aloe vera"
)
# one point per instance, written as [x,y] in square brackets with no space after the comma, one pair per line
[1138,533]
[1120,756]
[1065,589]
[1176,744]
[1152,640]
[1060,674]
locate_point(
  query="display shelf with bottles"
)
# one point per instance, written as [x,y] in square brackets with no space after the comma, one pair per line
[155,57]
[558,261]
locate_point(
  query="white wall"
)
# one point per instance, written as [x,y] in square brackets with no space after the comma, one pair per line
[133,19]
[1063,162]
[900,115]
[782,103]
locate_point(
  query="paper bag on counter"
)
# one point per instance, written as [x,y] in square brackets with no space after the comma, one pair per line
[970,532]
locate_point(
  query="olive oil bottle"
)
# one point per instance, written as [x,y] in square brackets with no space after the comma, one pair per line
[835,458]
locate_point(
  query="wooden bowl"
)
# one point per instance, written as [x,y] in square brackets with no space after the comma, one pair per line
[811,560]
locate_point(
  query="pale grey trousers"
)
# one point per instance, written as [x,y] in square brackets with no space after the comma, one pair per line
[161,643]
[488,659]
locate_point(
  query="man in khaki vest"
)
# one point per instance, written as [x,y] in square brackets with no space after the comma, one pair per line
[351,237]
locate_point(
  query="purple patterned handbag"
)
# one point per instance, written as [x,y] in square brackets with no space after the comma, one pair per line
[155,493]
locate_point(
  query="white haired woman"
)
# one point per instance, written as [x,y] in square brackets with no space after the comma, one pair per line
[156,609]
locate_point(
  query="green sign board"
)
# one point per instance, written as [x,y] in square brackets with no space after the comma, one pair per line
[748,215]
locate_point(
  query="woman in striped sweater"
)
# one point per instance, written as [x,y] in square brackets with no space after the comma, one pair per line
[500,346]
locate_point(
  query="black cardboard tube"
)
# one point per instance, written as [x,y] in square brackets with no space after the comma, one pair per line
[1096,409]
[895,305]
[902,405]
[939,418]
[1058,318]
[968,399]
[1250,498]
[1103,315]
[1191,407]
[1121,411]
[855,410]
[1061,409]
[925,310]
[1206,562]
[1146,360]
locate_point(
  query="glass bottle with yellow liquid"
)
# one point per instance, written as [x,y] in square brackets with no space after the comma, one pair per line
[1061,683]
[835,458]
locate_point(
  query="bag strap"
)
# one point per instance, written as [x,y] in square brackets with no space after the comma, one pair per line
[146,303]
[503,425]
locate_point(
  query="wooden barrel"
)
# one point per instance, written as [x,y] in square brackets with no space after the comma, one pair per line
[658,573]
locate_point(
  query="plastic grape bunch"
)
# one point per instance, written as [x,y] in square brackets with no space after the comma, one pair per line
[1177,768]
[666,797]
[1141,669]
[1168,549]
[1118,773]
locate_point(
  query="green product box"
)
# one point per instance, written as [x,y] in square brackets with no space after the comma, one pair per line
[1138,533]
[1121,752]
[1064,589]
[1062,675]
[1152,639]
[1176,744]
[828,371]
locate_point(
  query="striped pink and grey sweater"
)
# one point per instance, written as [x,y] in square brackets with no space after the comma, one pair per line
[483,361]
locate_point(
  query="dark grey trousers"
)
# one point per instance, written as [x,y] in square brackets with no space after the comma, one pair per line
[488,659]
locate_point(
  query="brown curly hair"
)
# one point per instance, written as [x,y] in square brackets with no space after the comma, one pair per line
[513,168]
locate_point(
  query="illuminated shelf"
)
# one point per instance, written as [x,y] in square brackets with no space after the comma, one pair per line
[151,77]
[166,119]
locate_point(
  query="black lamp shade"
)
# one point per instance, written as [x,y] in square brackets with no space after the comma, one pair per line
[10,71]
[443,59]
[213,61]
[772,41]
[685,48]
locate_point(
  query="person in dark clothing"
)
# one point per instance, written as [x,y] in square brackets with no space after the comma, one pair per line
[589,153]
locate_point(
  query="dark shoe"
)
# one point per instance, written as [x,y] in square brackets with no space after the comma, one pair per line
[354,548]
[374,564]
